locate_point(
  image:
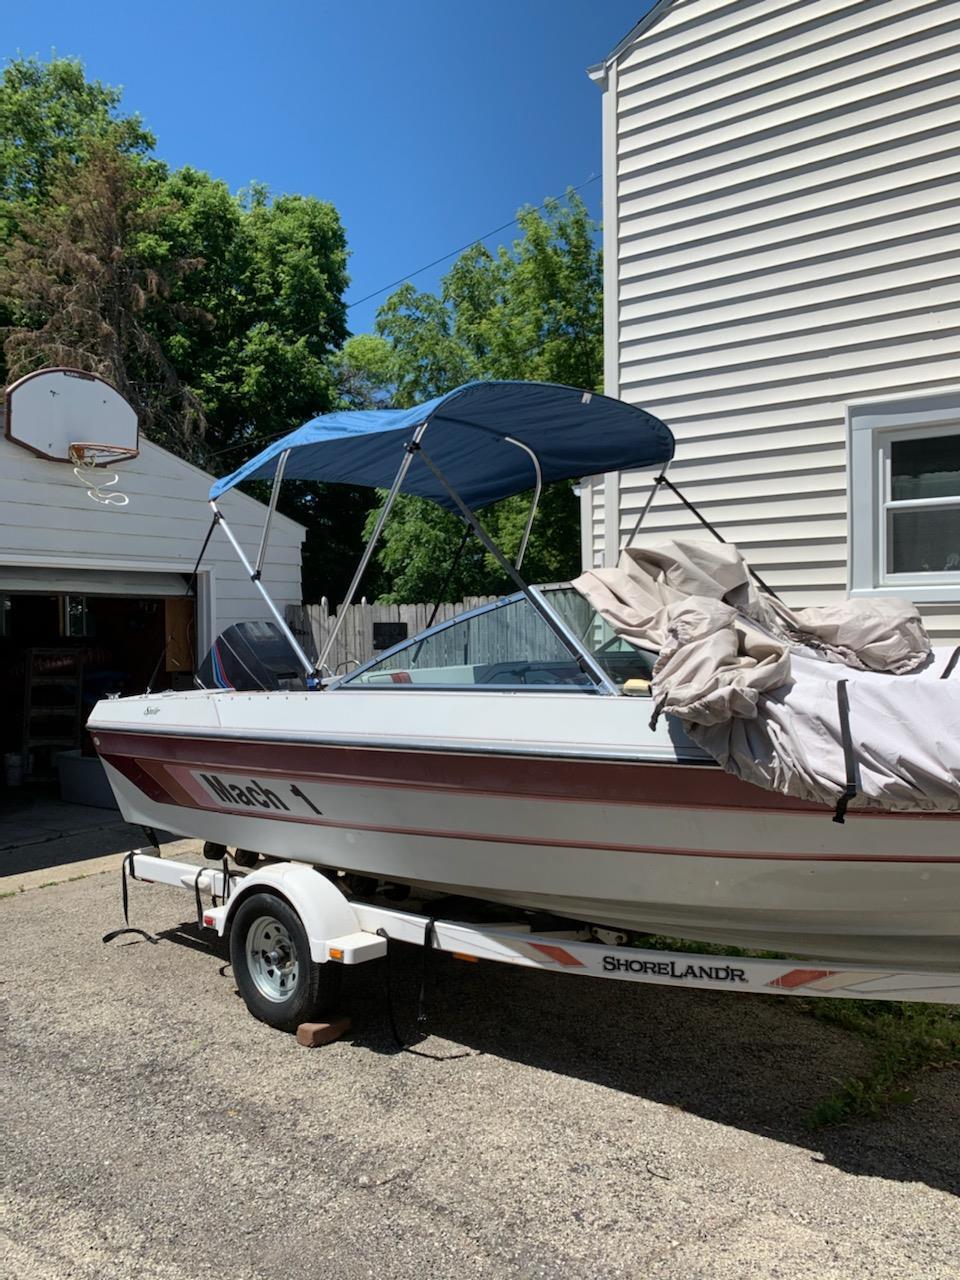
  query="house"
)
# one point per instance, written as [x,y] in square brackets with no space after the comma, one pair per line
[102,595]
[782,239]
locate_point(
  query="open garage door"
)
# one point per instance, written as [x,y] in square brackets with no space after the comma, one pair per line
[69,636]
[91,582]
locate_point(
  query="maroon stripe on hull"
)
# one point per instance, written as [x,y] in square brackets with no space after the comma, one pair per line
[598,781]
[162,777]
[645,783]
[157,778]
[154,788]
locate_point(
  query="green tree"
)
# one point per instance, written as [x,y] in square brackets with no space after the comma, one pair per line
[86,277]
[219,315]
[529,311]
[50,113]
[364,371]
[272,285]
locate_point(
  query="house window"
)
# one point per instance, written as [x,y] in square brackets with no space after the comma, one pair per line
[73,616]
[904,498]
[922,506]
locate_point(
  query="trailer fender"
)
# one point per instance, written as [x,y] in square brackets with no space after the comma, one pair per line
[326,913]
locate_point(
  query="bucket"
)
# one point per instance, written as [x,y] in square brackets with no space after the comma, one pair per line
[13,768]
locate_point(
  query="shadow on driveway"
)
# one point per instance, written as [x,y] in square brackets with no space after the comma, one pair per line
[757,1063]
[39,832]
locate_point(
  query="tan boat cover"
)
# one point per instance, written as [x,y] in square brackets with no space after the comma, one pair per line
[755,683]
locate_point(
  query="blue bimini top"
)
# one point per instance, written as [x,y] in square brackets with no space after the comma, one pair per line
[573,433]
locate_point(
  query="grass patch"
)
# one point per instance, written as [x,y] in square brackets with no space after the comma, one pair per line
[49,884]
[84,875]
[656,942]
[907,1039]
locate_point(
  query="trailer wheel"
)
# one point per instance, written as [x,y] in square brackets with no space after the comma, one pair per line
[275,974]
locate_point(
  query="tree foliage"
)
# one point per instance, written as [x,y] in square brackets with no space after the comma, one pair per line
[88,276]
[272,286]
[50,113]
[217,314]
[364,369]
[221,316]
[532,310]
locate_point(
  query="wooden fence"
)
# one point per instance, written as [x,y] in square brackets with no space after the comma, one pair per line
[355,641]
[502,635]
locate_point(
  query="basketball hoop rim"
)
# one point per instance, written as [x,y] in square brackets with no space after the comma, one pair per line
[93,453]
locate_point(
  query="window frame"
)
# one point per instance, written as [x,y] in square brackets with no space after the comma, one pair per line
[74,616]
[889,506]
[872,428]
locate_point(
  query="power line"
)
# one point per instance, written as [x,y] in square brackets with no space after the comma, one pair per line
[594,177]
[264,440]
[463,248]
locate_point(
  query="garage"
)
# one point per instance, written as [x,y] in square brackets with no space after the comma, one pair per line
[69,639]
[101,598]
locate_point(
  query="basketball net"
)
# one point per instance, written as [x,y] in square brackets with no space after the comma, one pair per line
[87,458]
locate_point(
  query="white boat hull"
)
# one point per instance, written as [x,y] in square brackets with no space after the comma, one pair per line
[604,821]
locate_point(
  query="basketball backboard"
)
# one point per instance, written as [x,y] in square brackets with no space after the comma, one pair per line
[51,409]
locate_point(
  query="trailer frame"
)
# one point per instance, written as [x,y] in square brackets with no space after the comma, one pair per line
[348,931]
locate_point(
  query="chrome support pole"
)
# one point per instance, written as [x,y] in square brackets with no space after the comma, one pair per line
[274,495]
[572,641]
[536,498]
[647,505]
[372,543]
[254,578]
[586,660]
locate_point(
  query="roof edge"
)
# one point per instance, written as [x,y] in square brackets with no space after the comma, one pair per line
[598,72]
[150,446]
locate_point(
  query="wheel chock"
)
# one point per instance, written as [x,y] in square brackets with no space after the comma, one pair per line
[313,1034]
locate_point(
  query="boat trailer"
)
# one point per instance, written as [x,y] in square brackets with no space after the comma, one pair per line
[344,931]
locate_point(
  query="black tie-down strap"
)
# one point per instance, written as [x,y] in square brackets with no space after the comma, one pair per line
[948,669]
[429,944]
[662,479]
[191,586]
[846,741]
[658,706]
[127,871]
[228,877]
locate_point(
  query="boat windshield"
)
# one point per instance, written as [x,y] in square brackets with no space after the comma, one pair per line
[507,644]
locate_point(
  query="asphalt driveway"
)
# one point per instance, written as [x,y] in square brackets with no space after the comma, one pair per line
[558,1128]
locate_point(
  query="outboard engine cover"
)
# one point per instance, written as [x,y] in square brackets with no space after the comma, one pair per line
[251,655]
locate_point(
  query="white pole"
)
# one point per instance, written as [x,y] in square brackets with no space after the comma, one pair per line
[254,578]
[536,498]
[371,545]
[274,495]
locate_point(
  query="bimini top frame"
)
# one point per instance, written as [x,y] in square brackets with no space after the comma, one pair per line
[556,432]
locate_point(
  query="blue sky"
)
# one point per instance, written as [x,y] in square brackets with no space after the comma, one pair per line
[427,123]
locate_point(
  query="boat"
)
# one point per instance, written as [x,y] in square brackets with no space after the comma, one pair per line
[508,755]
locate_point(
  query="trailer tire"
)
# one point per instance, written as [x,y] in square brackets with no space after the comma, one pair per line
[275,974]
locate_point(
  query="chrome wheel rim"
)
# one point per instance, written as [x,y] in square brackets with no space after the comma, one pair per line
[272,959]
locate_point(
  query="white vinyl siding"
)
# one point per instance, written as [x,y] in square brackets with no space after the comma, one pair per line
[782,234]
[47,522]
